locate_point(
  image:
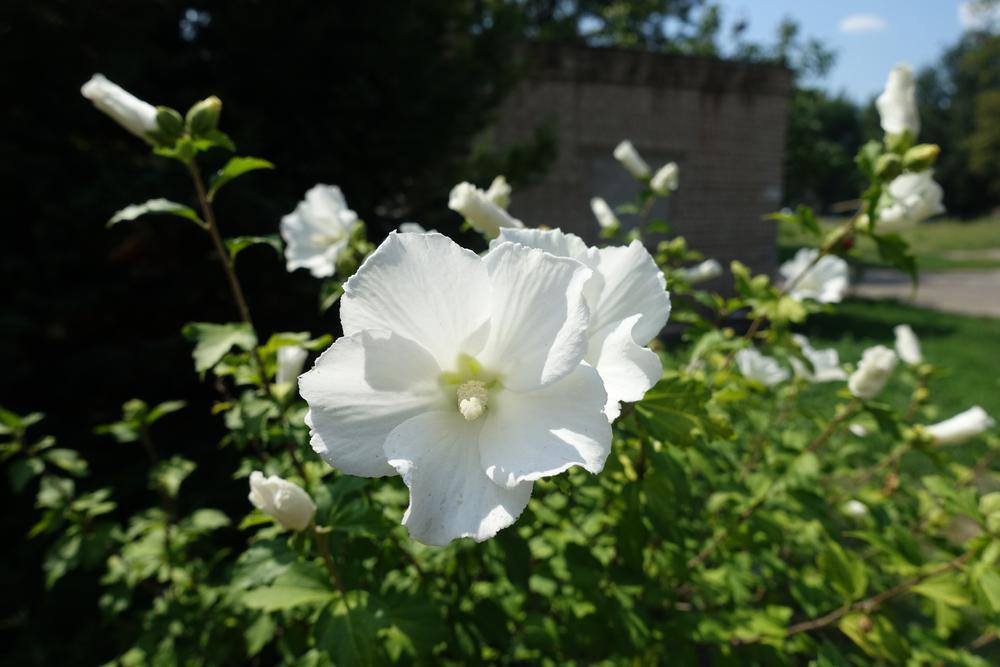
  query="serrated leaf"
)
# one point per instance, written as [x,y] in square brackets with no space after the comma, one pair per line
[155,206]
[236,167]
[844,571]
[347,635]
[239,243]
[213,341]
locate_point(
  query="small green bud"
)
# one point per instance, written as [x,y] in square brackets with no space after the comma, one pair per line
[863,224]
[921,157]
[888,166]
[899,143]
[203,117]
[170,122]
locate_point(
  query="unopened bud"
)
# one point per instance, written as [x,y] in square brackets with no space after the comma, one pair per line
[170,122]
[921,157]
[203,117]
[888,166]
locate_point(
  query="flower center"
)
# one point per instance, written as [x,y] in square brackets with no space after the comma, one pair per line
[327,239]
[472,398]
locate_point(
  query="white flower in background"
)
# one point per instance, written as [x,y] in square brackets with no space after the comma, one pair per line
[666,179]
[290,361]
[897,105]
[605,216]
[286,502]
[914,198]
[858,430]
[961,427]
[877,364]
[825,282]
[463,374]
[317,231]
[626,153]
[702,272]
[855,509]
[761,368]
[629,306]
[907,345]
[499,192]
[482,213]
[126,109]
[825,363]
[412,228]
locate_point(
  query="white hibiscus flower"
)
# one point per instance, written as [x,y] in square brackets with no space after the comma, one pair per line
[961,427]
[628,303]
[825,282]
[914,197]
[756,366]
[318,231]
[897,105]
[463,374]
[908,345]
[877,364]
[825,363]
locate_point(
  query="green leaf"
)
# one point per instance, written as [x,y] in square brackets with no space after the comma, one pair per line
[329,293]
[895,251]
[301,584]
[170,474]
[876,636]
[154,206]
[674,411]
[164,409]
[844,571]
[989,586]
[803,216]
[22,471]
[213,341]
[259,633]
[237,244]
[236,167]
[347,635]
[68,460]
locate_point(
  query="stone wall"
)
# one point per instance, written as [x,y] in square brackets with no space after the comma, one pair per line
[723,122]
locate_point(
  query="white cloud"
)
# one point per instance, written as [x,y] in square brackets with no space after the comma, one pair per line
[857,23]
[978,15]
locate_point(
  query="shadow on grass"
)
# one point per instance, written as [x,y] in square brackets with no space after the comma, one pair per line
[874,319]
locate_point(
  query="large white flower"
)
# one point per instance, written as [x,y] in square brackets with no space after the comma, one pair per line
[877,364]
[317,231]
[914,197]
[825,282]
[961,427]
[755,366]
[629,305]
[825,363]
[286,502]
[465,375]
[481,212]
[908,345]
[126,109]
[897,105]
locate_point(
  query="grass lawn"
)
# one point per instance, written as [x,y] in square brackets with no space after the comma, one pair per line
[939,245]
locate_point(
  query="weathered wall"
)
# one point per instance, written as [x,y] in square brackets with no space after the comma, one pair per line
[723,122]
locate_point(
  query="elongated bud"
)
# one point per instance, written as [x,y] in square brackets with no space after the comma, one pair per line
[921,157]
[499,192]
[124,108]
[961,427]
[888,166]
[666,179]
[699,273]
[485,216]
[287,503]
[908,345]
[606,218]
[626,153]
[203,117]
[877,364]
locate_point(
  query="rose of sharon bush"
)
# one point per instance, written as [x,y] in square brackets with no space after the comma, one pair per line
[317,231]
[465,375]
[629,305]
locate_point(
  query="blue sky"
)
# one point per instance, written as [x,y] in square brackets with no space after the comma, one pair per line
[869,36]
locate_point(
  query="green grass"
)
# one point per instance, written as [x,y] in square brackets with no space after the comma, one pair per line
[939,245]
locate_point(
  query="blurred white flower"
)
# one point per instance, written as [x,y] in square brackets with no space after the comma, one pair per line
[605,216]
[482,213]
[666,179]
[961,427]
[317,231]
[877,364]
[907,345]
[855,509]
[465,375]
[914,198]
[290,361]
[858,430]
[897,105]
[702,272]
[499,192]
[412,228]
[126,109]
[825,282]
[825,363]
[629,305]
[286,502]
[761,368]
[626,153]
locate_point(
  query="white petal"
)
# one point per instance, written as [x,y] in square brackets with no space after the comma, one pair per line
[424,287]
[360,389]
[538,326]
[633,285]
[541,433]
[628,369]
[450,495]
[561,244]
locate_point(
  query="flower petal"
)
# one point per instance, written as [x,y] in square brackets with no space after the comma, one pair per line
[535,434]
[450,495]
[424,287]
[628,369]
[362,388]
[633,284]
[539,317]
[561,244]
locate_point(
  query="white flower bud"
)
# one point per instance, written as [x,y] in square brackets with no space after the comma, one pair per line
[858,430]
[605,216]
[485,217]
[907,345]
[897,105]
[666,179]
[626,153]
[877,364]
[706,270]
[287,503]
[961,427]
[291,358]
[855,509]
[499,192]
[127,110]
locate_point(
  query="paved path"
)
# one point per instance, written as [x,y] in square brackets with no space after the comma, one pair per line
[966,292]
